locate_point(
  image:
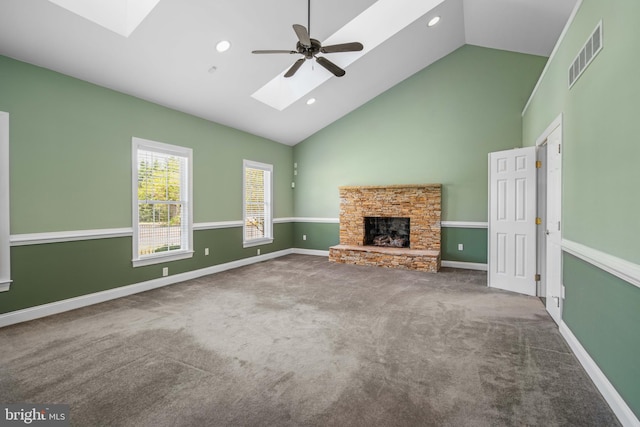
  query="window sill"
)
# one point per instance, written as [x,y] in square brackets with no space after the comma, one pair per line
[5,285]
[257,242]
[158,259]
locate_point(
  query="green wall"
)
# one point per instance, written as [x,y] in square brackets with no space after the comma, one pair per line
[474,241]
[603,312]
[600,206]
[320,236]
[55,271]
[601,127]
[435,127]
[70,156]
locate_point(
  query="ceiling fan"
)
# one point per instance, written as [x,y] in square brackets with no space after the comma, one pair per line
[310,48]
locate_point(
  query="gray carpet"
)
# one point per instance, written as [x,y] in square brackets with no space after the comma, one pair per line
[299,341]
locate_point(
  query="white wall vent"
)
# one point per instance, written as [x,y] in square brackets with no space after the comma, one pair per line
[591,48]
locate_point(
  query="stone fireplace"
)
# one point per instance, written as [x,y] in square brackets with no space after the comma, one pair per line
[396,226]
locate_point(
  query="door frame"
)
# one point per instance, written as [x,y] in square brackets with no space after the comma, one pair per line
[544,287]
[5,234]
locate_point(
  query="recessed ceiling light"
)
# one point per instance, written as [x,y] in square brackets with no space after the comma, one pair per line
[433,21]
[223,46]
[311,101]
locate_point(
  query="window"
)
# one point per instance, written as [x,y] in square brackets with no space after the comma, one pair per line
[162,207]
[257,210]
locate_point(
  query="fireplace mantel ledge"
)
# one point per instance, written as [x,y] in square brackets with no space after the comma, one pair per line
[374,187]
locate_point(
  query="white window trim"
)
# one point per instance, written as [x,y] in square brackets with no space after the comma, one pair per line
[145,144]
[268,196]
[5,224]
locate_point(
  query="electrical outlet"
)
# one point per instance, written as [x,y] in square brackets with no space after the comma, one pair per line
[293,185]
[206,251]
[460,247]
[295,172]
[165,271]
[304,237]
[258,251]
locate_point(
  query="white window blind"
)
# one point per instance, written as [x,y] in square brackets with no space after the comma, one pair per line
[162,194]
[257,203]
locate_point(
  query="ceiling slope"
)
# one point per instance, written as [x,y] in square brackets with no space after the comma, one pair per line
[170,57]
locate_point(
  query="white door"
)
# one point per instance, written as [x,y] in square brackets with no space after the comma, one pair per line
[512,220]
[553,262]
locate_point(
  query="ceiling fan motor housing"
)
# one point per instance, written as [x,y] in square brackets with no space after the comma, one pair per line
[309,51]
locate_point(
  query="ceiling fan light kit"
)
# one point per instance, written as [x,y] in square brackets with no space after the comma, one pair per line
[310,48]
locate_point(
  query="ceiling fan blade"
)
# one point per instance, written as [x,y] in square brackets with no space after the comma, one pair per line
[303,35]
[295,67]
[344,47]
[273,51]
[337,71]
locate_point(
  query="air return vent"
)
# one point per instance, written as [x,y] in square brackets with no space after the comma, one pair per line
[591,48]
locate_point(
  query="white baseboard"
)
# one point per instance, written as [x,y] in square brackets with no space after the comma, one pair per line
[616,402]
[39,311]
[465,265]
[310,252]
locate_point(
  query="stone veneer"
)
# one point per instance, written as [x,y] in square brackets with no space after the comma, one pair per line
[421,203]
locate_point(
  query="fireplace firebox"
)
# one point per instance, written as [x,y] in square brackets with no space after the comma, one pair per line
[391,232]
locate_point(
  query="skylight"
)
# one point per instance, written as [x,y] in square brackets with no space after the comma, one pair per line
[119,16]
[372,27]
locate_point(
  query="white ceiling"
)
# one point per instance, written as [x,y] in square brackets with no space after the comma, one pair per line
[167,59]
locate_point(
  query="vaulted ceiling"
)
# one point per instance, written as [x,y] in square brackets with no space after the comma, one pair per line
[171,57]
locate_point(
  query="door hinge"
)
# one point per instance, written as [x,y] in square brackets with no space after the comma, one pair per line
[538,220]
[536,277]
[538,164]
[559,148]
[558,225]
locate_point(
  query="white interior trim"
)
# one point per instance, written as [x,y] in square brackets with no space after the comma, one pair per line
[463,224]
[465,265]
[553,54]
[544,135]
[283,220]
[616,402]
[320,220]
[68,236]
[5,223]
[621,268]
[106,233]
[315,252]
[216,225]
[123,291]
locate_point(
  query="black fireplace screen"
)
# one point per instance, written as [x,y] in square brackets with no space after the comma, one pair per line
[386,231]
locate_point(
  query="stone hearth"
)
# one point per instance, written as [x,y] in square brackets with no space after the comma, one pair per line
[420,203]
